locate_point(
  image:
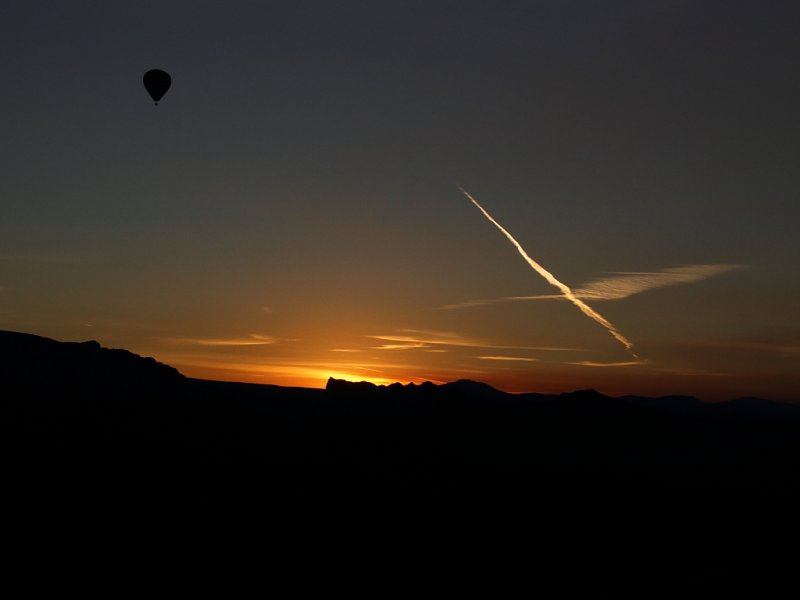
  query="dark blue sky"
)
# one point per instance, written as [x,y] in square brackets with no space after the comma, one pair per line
[298,184]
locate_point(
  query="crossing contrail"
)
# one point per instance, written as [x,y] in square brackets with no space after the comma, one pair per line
[550,278]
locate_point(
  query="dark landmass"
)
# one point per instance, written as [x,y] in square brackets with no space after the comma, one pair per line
[614,489]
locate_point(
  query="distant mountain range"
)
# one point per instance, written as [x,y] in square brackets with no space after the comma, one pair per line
[589,399]
[80,422]
[72,396]
[34,360]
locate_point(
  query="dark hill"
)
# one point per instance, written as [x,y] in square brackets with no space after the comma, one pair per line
[94,433]
[61,397]
[40,360]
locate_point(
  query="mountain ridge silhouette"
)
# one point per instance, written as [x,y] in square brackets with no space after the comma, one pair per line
[19,352]
[25,354]
[93,434]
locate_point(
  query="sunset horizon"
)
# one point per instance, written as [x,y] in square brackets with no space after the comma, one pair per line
[543,196]
[228,230]
[647,380]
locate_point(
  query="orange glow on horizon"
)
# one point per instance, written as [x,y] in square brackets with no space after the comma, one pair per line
[546,376]
[285,375]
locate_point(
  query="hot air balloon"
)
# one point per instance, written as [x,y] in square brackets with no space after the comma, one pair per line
[156,82]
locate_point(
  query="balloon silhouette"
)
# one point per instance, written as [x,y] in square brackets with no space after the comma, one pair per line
[156,82]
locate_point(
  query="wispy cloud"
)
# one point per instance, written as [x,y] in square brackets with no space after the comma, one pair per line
[249,340]
[409,346]
[509,358]
[551,279]
[414,338]
[491,301]
[407,339]
[629,363]
[626,284]
[621,284]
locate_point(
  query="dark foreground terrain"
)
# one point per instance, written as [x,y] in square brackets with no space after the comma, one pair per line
[456,486]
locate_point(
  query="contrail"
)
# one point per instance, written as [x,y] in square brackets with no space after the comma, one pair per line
[550,278]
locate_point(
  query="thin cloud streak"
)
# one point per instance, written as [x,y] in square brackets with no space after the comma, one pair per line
[629,283]
[410,346]
[426,339]
[250,340]
[504,299]
[509,358]
[629,363]
[550,278]
[625,285]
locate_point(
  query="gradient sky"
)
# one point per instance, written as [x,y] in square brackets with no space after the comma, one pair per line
[291,208]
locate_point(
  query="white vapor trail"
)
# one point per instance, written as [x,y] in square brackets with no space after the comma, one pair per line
[550,278]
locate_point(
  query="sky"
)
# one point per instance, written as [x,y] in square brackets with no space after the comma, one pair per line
[332,189]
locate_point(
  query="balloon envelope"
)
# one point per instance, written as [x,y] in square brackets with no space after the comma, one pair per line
[156,82]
